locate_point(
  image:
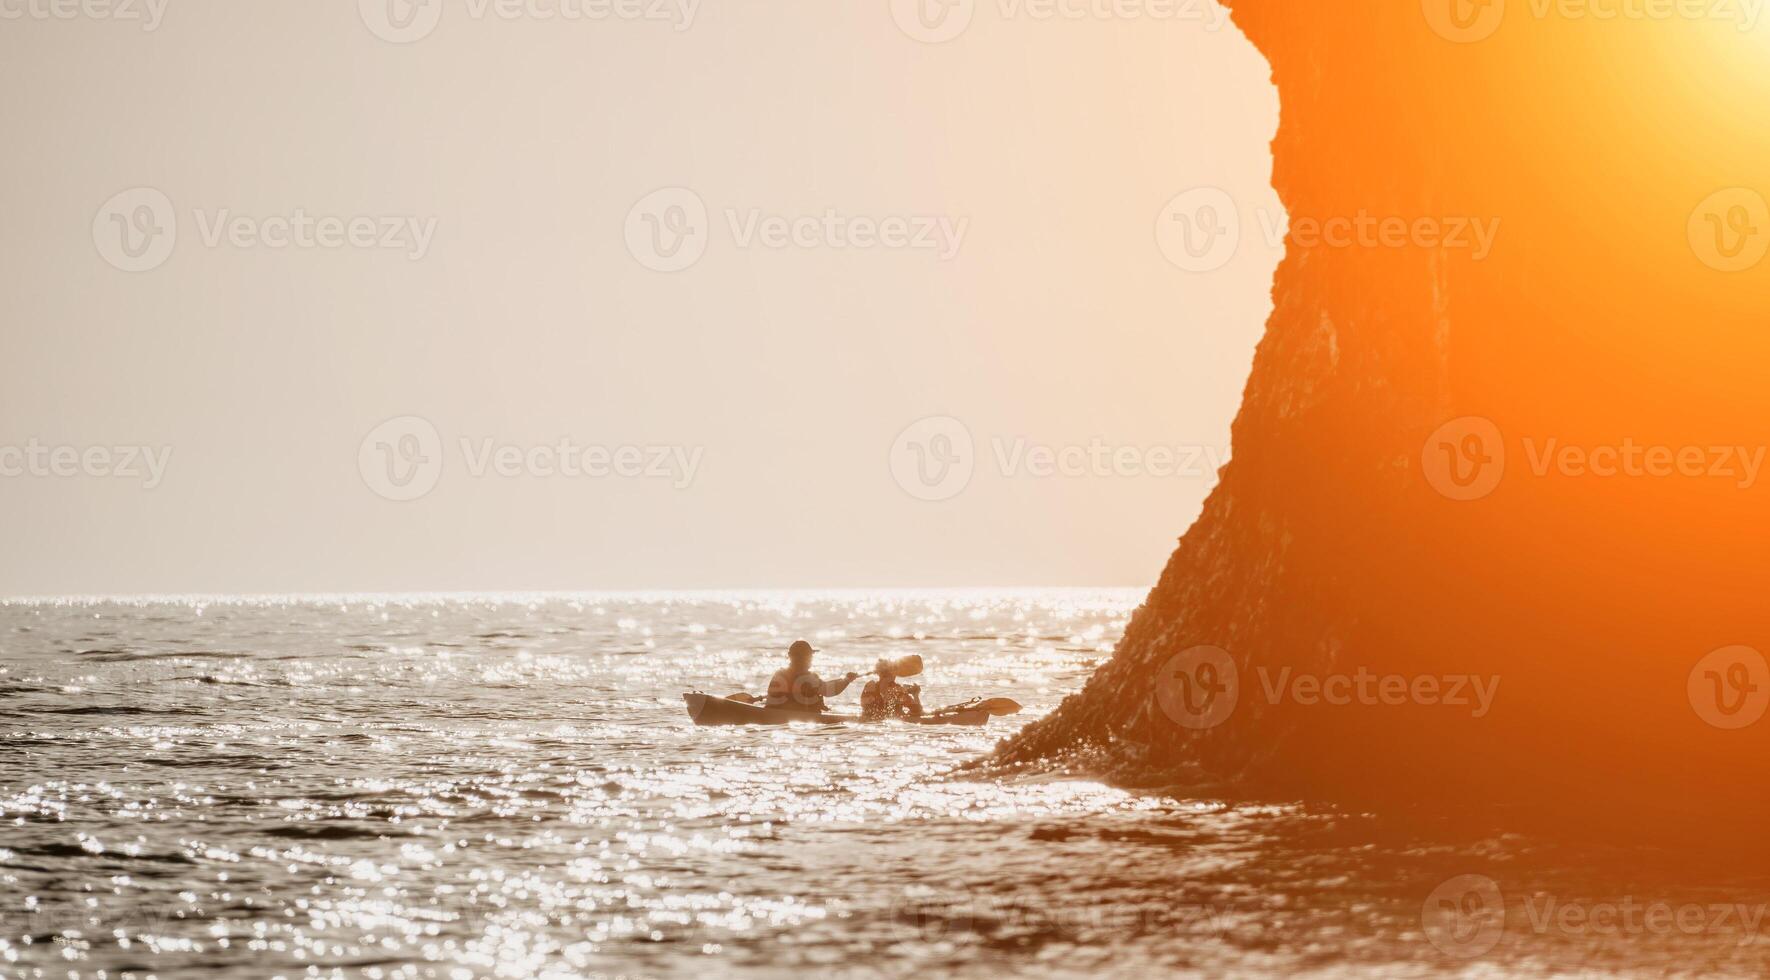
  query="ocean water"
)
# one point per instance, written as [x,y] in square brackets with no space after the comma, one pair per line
[509,786]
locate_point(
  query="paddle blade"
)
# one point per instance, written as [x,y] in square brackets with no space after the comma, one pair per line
[1000,707]
[908,666]
[743,698]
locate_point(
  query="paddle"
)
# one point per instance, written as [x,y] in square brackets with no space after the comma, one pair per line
[995,707]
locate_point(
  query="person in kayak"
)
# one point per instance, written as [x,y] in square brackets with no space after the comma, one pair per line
[796,688]
[884,697]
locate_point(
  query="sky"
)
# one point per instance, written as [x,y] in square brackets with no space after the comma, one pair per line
[570,294]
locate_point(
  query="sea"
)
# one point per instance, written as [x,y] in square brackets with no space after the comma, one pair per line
[462,786]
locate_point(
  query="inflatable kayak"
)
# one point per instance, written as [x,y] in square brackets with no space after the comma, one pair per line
[706,709]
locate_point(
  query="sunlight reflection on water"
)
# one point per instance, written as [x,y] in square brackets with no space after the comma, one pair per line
[509,786]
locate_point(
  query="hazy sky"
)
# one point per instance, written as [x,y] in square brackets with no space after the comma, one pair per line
[659,292]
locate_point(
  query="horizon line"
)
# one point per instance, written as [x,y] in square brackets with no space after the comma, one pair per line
[509,595]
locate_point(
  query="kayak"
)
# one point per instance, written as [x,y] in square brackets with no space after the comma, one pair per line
[706,709]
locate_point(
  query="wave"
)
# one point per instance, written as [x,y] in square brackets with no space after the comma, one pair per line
[128,656]
[110,709]
[328,831]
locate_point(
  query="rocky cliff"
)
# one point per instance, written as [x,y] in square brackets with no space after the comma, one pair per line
[1528,468]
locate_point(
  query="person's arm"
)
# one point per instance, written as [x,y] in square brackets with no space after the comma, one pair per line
[835,687]
[914,698]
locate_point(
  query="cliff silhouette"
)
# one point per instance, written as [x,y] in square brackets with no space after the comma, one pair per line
[1450,464]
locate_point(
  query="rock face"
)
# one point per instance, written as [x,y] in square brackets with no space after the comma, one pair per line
[1609,341]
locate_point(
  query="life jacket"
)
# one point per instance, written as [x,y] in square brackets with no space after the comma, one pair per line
[796,692]
[879,701]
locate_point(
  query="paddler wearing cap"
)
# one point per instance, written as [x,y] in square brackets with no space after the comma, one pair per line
[796,688]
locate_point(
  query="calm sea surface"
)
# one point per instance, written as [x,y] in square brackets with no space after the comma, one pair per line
[466,786]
